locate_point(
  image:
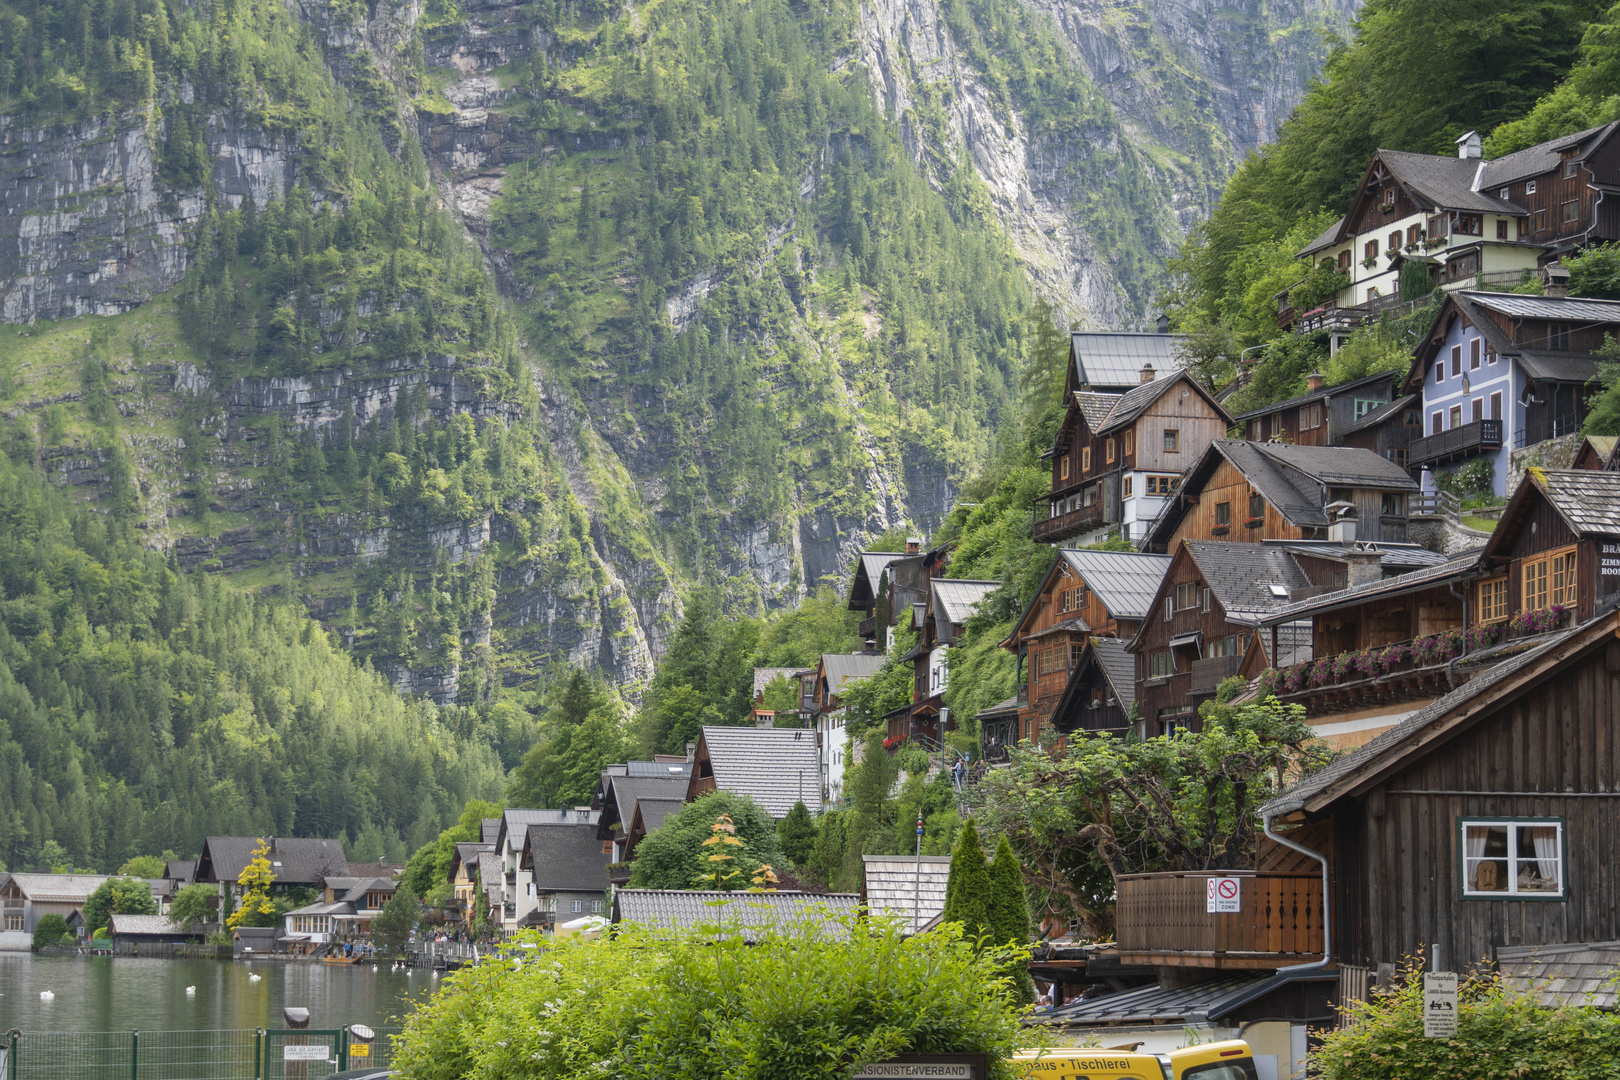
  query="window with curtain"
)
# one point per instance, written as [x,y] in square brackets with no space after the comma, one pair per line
[1521,857]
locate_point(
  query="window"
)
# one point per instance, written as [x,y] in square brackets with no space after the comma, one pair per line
[1558,336]
[1085,459]
[1370,250]
[1074,599]
[1394,504]
[1548,580]
[1541,217]
[1440,225]
[1502,194]
[1063,468]
[1469,225]
[1108,451]
[1456,416]
[1397,454]
[1440,371]
[1363,407]
[1572,211]
[1493,599]
[1187,593]
[1161,664]
[1523,857]
[1223,514]
[1438,426]
[1394,241]
[1257,508]
[1473,354]
[1477,409]
[1501,228]
[1172,441]
[577,906]
[1490,354]
[1127,487]
[1496,405]
[1456,361]
[1310,416]
[1413,418]
[1344,259]
[1130,443]
[1162,485]
[1569,168]
[1530,188]
[1414,233]
[596,907]
[14,921]
[1230,645]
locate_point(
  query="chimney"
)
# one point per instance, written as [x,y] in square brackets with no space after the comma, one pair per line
[691,751]
[1341,522]
[1366,564]
[1163,323]
[1147,373]
[913,545]
[1468,146]
[1555,280]
[1315,380]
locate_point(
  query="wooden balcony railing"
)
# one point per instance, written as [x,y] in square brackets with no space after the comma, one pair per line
[1207,674]
[867,627]
[1459,442]
[1162,919]
[1062,526]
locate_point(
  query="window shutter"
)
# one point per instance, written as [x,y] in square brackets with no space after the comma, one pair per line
[1206,599]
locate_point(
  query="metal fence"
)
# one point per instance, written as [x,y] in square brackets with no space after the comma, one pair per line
[242,1054]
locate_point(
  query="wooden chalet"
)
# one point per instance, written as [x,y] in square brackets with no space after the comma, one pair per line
[776,767]
[1118,457]
[622,787]
[1500,371]
[1483,822]
[869,593]
[1085,594]
[1320,416]
[1388,430]
[1596,453]
[834,675]
[1100,692]
[1109,361]
[1253,491]
[1212,597]
[650,814]
[998,732]
[939,624]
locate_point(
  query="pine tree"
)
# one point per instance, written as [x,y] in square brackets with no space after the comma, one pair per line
[797,832]
[967,889]
[1009,911]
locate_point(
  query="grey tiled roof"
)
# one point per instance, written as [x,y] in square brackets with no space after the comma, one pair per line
[658,768]
[845,668]
[1404,556]
[1288,490]
[764,676]
[1124,581]
[514,822]
[875,562]
[1328,238]
[1323,779]
[1241,575]
[490,828]
[672,909]
[302,861]
[1588,499]
[142,924]
[626,791]
[776,767]
[1319,395]
[1118,665]
[1534,160]
[1412,581]
[1574,974]
[1094,407]
[1448,182]
[654,812]
[1559,366]
[489,869]
[1378,415]
[1106,360]
[902,886]
[1134,402]
[955,598]
[181,870]
[1000,708]
[566,858]
[1349,466]
[1151,1005]
[1548,307]
[355,889]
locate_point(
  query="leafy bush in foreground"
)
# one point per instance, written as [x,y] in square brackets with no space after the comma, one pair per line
[779,1002]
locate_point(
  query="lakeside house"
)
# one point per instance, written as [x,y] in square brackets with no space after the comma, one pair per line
[518,897]
[776,767]
[26,898]
[569,869]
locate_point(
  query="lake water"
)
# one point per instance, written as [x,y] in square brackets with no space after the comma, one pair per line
[105,993]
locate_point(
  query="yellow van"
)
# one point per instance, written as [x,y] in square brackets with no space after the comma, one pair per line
[1230,1060]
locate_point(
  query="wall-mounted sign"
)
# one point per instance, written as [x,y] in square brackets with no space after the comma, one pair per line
[1440,1004]
[305,1053]
[927,1067]
[1222,895]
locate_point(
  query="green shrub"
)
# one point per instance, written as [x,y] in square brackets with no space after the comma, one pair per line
[50,930]
[712,1004]
[1471,481]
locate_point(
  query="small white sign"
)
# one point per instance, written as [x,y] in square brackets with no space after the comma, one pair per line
[1222,895]
[895,1070]
[303,1053]
[1440,1005]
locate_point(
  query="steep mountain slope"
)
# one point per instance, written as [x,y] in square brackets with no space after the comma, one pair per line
[747,283]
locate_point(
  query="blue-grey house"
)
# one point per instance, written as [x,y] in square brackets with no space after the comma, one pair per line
[1501,371]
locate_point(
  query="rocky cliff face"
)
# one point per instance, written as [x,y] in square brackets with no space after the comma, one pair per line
[88,226]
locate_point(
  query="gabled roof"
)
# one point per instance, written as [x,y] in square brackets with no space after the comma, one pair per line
[1535,160]
[58,888]
[1445,181]
[354,889]
[466,854]
[1380,414]
[955,598]
[490,827]
[764,676]
[1117,665]
[142,926]
[619,807]
[1587,500]
[841,669]
[1095,407]
[565,858]
[515,822]
[1407,740]
[294,860]
[684,909]
[776,767]
[181,870]
[1329,237]
[652,813]
[904,886]
[1136,401]
[1124,581]
[869,566]
[1556,366]
[1574,308]
[1458,566]
[658,768]
[1401,555]
[1000,709]
[1340,466]
[489,870]
[1109,360]
[1242,575]
[1319,395]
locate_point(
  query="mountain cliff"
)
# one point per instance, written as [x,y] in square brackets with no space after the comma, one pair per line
[489,330]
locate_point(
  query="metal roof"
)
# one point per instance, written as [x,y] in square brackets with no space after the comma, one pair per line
[776,767]
[1000,708]
[684,909]
[1580,973]
[1414,581]
[764,676]
[1405,555]
[1152,1005]
[1241,575]
[514,822]
[906,887]
[489,829]
[658,768]
[1107,360]
[1558,366]
[1125,581]
[844,668]
[1573,308]
[956,598]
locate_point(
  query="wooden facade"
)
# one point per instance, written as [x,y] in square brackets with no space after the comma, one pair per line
[1390,435]
[1167,691]
[1222,508]
[1320,417]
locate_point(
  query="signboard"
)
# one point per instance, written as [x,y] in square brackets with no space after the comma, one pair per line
[1439,1004]
[317,1052]
[927,1067]
[1609,561]
[1222,895]
[359,1049]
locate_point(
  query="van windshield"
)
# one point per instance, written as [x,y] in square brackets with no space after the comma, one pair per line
[1242,1069]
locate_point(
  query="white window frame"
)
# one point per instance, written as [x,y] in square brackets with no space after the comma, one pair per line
[1513,858]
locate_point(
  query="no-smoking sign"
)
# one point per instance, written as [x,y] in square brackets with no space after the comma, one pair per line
[1222,894]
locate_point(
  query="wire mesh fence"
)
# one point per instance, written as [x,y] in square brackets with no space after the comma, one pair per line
[242,1054]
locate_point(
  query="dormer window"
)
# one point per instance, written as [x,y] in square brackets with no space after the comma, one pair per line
[1571,167]
[1502,194]
[1530,187]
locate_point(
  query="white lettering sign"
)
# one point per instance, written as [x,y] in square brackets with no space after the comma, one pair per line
[1440,1004]
[1222,895]
[303,1053]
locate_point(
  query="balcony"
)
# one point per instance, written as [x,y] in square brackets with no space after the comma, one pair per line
[1207,675]
[619,873]
[1049,528]
[1459,442]
[1162,920]
[867,627]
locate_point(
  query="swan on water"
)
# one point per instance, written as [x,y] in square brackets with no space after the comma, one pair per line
[47,995]
[191,990]
[253,978]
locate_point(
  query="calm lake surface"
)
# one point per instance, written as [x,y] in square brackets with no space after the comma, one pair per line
[106,993]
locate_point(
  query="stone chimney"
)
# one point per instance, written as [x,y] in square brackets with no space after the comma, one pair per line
[1341,522]
[913,545]
[691,751]
[1555,280]
[1366,564]
[1468,146]
[1315,380]
[1148,374]
[1163,323]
